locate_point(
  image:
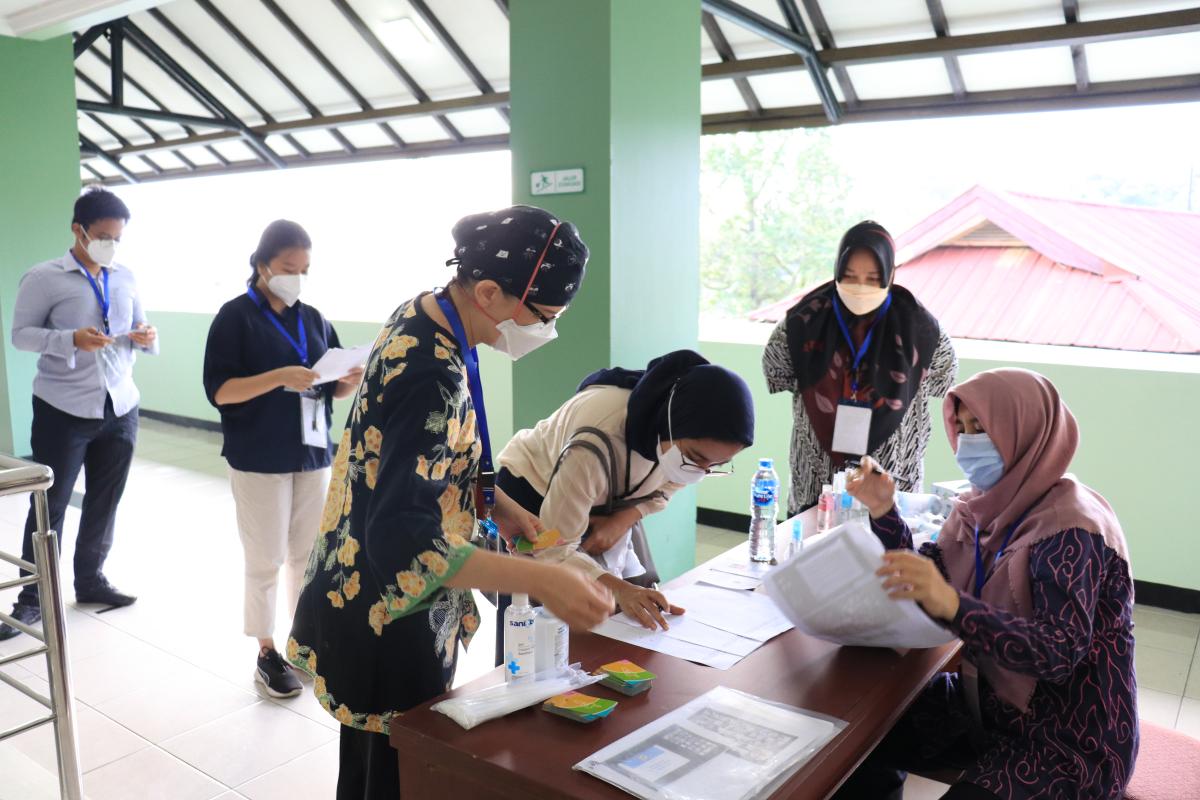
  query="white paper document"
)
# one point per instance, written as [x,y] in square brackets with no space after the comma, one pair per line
[830,590]
[723,745]
[687,629]
[749,614]
[337,362]
[727,580]
[660,642]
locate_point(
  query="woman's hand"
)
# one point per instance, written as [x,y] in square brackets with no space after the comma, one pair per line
[300,379]
[913,577]
[574,598]
[873,487]
[348,385]
[605,531]
[647,606]
[513,520]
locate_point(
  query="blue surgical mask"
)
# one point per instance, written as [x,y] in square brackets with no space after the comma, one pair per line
[979,460]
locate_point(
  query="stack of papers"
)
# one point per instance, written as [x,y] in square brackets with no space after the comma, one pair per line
[724,745]
[720,628]
[830,590]
[736,573]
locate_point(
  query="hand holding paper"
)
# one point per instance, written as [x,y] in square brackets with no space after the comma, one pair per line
[339,362]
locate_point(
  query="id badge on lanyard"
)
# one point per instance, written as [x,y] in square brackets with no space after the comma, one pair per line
[852,428]
[314,428]
[852,425]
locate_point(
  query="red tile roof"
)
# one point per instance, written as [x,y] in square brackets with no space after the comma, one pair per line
[1070,273]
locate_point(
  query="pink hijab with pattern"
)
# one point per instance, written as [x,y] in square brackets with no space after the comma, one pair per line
[1037,436]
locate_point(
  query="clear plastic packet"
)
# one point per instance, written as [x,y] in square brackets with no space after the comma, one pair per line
[497,701]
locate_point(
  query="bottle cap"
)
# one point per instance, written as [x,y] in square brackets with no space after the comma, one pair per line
[766,463]
[520,600]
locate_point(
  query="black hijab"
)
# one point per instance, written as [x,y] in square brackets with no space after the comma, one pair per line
[710,402]
[901,348]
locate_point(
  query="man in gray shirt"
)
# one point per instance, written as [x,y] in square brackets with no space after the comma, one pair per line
[83,314]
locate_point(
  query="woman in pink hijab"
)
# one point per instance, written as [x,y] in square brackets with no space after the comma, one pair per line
[1032,572]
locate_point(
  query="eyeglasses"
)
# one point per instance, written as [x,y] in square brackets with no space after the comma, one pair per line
[542,318]
[711,472]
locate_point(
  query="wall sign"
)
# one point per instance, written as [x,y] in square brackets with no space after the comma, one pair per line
[558,181]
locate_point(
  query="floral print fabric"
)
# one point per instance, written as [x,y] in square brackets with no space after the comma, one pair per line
[376,627]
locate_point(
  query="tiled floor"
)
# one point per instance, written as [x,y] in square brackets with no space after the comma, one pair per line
[167,705]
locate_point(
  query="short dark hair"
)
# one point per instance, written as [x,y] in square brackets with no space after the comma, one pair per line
[278,236]
[99,203]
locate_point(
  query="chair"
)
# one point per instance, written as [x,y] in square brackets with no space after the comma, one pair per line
[1168,765]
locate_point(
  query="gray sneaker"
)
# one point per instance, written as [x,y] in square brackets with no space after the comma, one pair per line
[276,677]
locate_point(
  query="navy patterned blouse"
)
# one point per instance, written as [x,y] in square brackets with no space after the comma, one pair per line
[1079,737]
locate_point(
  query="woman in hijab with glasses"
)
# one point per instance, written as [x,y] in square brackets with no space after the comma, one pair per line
[1032,572]
[862,357]
[616,452]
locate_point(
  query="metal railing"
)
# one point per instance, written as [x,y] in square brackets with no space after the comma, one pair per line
[19,477]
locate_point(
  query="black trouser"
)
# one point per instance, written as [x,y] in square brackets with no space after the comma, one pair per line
[907,747]
[103,448]
[526,497]
[367,767]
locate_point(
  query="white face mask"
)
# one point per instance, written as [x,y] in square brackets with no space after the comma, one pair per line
[672,465]
[861,299]
[672,462]
[521,340]
[286,287]
[102,251]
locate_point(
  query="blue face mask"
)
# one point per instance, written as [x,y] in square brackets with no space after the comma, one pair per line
[979,460]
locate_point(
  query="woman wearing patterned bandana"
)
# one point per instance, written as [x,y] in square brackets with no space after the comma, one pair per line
[862,357]
[387,594]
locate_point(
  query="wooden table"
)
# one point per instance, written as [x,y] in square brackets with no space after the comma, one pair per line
[529,754]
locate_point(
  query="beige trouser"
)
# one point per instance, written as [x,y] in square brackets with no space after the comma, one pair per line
[278,519]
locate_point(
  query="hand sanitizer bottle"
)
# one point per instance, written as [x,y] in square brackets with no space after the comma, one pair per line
[519,639]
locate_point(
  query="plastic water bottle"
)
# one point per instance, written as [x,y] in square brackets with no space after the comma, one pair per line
[764,491]
[520,657]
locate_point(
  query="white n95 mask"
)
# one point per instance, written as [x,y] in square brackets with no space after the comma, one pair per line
[102,251]
[286,287]
[520,340]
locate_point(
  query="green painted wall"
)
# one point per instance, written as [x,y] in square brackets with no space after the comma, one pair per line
[171,381]
[39,180]
[613,86]
[1135,449]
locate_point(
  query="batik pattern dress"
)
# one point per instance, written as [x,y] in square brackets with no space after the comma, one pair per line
[377,627]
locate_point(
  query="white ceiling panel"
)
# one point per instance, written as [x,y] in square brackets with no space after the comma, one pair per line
[783,89]
[986,16]
[419,129]
[720,97]
[1177,54]
[484,122]
[862,22]
[917,78]
[1046,66]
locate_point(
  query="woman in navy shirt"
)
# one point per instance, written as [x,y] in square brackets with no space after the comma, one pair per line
[258,373]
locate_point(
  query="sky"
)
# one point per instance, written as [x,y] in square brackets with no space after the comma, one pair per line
[381,230]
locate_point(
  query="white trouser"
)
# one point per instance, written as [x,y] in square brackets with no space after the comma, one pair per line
[278,519]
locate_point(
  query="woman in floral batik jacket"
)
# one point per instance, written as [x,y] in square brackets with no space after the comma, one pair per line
[387,594]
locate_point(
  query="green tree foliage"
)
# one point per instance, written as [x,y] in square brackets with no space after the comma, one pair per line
[773,207]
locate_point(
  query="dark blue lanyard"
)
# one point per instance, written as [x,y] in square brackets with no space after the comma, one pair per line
[980,576]
[487,475]
[102,298]
[301,346]
[862,351]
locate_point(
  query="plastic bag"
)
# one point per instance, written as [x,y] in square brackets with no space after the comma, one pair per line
[497,701]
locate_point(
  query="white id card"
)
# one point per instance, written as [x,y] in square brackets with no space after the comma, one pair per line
[314,429]
[851,429]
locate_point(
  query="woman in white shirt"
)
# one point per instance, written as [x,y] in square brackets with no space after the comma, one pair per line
[616,452]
